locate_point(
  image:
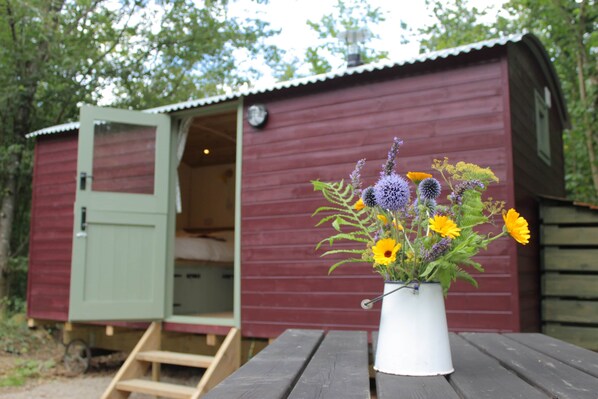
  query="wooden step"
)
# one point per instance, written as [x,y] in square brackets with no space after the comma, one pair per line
[162,389]
[179,359]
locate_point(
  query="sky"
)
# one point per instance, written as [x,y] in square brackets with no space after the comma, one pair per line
[290,17]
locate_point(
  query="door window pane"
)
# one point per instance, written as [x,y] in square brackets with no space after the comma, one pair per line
[123,158]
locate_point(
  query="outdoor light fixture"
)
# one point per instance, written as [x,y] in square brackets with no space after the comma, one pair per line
[206,151]
[257,115]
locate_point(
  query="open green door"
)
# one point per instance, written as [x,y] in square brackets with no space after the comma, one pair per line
[120,233]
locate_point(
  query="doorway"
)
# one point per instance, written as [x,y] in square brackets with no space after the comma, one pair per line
[204,277]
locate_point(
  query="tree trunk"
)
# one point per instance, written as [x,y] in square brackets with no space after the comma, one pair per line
[6,219]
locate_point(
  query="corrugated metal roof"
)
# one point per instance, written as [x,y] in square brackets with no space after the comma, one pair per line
[441,54]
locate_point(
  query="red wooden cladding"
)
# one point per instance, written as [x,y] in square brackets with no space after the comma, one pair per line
[321,136]
[531,175]
[134,148]
[52,226]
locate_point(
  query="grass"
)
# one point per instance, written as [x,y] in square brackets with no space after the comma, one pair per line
[23,370]
[16,339]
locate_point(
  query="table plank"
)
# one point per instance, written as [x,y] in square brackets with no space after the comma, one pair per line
[400,387]
[339,369]
[390,386]
[479,376]
[272,373]
[575,356]
[546,373]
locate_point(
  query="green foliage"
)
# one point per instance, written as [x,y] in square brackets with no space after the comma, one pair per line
[569,31]
[17,338]
[343,213]
[458,23]
[23,370]
[419,240]
[17,284]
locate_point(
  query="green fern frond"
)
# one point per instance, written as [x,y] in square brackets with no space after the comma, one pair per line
[350,260]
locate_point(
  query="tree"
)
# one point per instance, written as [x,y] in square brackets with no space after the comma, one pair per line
[568,30]
[56,54]
[458,23]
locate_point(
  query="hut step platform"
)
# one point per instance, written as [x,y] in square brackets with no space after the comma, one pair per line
[147,353]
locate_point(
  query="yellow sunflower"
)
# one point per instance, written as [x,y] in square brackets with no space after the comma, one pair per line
[444,226]
[417,177]
[516,226]
[359,205]
[385,251]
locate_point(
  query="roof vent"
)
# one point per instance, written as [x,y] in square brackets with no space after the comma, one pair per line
[352,38]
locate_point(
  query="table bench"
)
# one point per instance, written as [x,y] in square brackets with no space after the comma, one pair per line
[313,364]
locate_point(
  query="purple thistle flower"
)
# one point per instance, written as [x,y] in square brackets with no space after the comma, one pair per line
[429,189]
[436,251]
[392,192]
[457,195]
[355,176]
[369,197]
[389,166]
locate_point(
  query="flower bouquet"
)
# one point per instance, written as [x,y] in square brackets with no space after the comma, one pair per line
[420,243]
[402,228]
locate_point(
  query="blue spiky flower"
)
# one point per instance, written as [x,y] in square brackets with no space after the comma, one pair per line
[392,192]
[369,197]
[429,189]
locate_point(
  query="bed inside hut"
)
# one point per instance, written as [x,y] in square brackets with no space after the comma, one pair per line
[205,221]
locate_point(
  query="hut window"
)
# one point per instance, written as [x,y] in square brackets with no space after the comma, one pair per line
[542,131]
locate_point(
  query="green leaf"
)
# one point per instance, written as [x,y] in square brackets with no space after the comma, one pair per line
[337,223]
[342,262]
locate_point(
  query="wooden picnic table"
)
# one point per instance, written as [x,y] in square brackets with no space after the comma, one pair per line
[310,364]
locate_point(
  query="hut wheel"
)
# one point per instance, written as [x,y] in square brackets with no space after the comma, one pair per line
[77,356]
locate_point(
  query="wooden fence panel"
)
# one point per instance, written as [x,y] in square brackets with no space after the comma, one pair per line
[569,240]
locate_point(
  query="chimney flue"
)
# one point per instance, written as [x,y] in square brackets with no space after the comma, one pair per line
[352,38]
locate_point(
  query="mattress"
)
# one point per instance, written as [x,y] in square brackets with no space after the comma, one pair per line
[216,247]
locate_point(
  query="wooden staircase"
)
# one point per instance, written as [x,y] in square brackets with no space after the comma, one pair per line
[147,353]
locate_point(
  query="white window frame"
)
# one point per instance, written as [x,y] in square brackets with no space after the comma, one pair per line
[542,128]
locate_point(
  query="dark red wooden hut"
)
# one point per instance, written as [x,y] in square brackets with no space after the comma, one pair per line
[497,103]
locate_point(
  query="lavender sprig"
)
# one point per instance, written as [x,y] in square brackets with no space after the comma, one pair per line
[355,177]
[457,195]
[436,251]
[389,166]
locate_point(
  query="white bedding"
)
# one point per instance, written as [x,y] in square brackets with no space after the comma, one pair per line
[217,249]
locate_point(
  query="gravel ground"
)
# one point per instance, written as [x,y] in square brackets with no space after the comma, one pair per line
[64,388]
[56,383]
[88,386]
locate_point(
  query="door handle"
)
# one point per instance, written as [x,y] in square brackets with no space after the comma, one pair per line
[83,218]
[83,176]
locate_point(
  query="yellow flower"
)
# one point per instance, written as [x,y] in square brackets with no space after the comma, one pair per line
[359,205]
[398,225]
[385,251]
[516,226]
[383,219]
[417,177]
[444,226]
